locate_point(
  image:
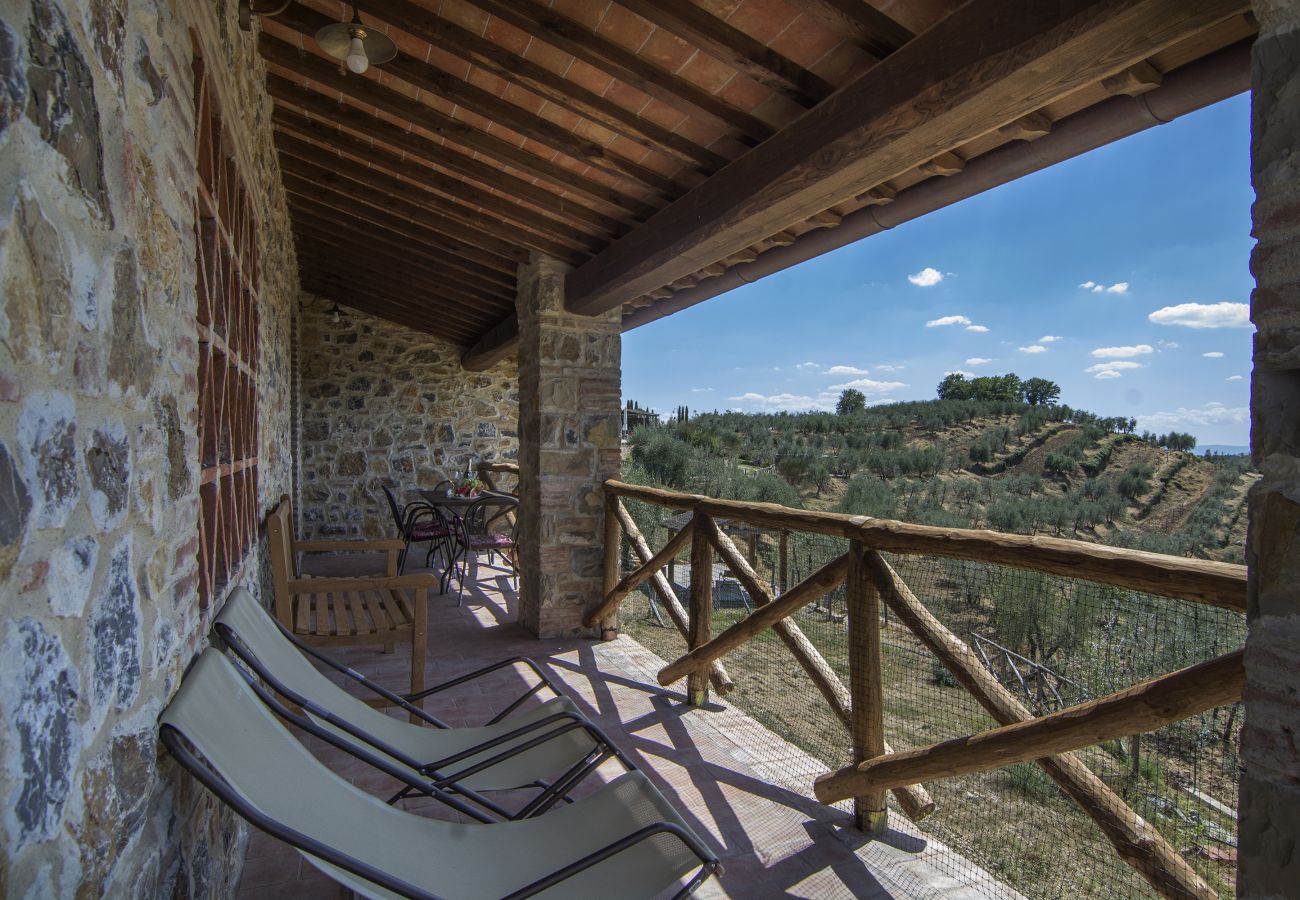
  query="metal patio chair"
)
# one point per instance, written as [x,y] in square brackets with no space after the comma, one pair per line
[475,535]
[419,522]
[625,838]
[552,747]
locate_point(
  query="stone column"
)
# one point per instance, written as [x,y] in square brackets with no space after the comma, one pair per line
[569,373]
[1269,839]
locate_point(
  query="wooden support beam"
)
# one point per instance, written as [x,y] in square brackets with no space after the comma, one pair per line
[879,195]
[914,799]
[1027,128]
[613,550]
[377,185]
[718,676]
[869,28]
[494,345]
[974,71]
[459,288]
[1136,841]
[445,190]
[866,684]
[614,597]
[1199,580]
[376,303]
[460,92]
[732,46]
[366,90]
[700,626]
[563,33]
[491,57]
[338,282]
[944,164]
[466,169]
[1144,707]
[1134,81]
[824,580]
[331,205]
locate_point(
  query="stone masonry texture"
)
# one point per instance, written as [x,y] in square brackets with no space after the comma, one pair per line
[1269,828]
[99,454]
[569,405]
[383,405]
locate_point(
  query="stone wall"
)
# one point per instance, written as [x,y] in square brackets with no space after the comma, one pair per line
[1269,850]
[98,432]
[384,405]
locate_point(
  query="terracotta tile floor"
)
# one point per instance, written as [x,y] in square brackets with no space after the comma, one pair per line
[746,791]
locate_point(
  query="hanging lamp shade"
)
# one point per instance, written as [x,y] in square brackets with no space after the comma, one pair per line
[355,44]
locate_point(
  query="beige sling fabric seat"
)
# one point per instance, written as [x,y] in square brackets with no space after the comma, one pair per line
[560,761]
[624,840]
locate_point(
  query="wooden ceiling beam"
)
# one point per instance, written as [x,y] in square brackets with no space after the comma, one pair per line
[342,288]
[397,163]
[363,271]
[440,83]
[730,45]
[446,35]
[330,208]
[978,69]
[376,305]
[547,25]
[418,203]
[472,289]
[463,169]
[311,239]
[867,26]
[338,277]
[395,103]
[494,345]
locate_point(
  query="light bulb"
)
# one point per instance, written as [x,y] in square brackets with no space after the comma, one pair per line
[357,60]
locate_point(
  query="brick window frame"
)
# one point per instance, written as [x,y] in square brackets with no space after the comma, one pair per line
[227,325]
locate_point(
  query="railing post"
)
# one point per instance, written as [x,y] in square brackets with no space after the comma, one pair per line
[785,562]
[613,546]
[865,682]
[701,611]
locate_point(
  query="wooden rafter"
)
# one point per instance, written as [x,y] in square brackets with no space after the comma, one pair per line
[868,27]
[975,71]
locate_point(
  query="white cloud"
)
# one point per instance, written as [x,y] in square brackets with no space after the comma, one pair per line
[1204,315]
[701,390]
[1049,338]
[1123,352]
[868,386]
[851,370]
[1213,354]
[823,401]
[1236,377]
[947,320]
[1033,348]
[978,361]
[1112,369]
[960,372]
[805,366]
[1209,414]
[927,277]
[1119,287]
[978,329]
[890,368]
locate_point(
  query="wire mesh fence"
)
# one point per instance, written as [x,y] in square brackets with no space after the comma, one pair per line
[1051,642]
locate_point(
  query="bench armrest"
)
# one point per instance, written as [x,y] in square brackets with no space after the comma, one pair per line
[347,546]
[362,583]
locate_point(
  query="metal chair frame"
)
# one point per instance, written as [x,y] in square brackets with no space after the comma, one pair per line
[477,521]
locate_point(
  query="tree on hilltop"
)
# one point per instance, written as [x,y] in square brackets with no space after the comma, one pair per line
[1040,391]
[850,402]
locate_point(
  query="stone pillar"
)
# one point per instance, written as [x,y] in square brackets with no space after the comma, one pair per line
[569,372]
[1269,839]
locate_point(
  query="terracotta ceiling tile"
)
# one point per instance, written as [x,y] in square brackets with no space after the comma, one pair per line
[586,13]
[720,8]
[666,50]
[651,109]
[763,19]
[589,77]
[462,13]
[843,64]
[707,73]
[552,58]
[411,46]
[779,111]
[449,62]
[806,46]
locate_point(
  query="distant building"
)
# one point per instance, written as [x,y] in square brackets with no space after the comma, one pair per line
[634,416]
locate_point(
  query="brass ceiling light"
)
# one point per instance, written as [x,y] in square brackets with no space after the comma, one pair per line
[356,45]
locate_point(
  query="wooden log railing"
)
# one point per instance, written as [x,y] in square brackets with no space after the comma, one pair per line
[1049,741]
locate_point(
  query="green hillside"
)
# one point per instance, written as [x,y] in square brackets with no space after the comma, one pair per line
[1000,464]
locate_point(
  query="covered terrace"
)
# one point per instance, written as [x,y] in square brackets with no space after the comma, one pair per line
[235,270]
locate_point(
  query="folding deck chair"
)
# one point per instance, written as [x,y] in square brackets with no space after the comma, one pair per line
[623,840]
[552,747]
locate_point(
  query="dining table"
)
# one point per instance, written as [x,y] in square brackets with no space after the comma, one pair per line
[455,503]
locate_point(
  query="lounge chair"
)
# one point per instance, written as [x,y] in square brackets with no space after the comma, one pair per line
[623,840]
[551,747]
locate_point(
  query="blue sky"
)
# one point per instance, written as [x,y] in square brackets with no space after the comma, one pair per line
[1122,275]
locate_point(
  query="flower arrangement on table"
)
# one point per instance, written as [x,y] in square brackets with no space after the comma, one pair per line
[466,486]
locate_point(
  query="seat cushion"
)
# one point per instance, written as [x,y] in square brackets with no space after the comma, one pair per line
[428,532]
[494,541]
